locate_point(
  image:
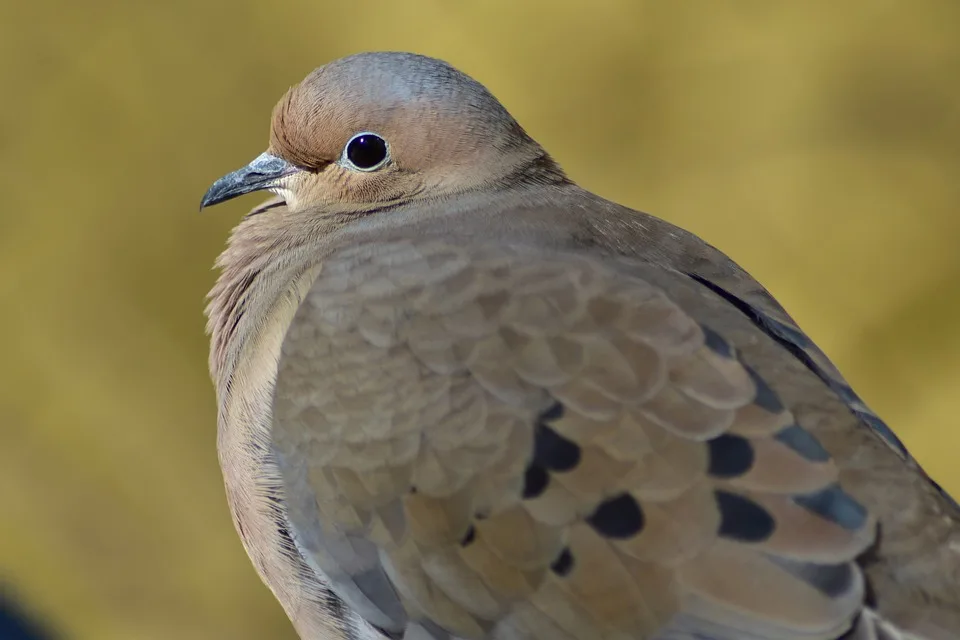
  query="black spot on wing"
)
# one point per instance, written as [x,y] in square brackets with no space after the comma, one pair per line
[796,342]
[535,481]
[837,506]
[717,343]
[563,565]
[766,399]
[554,452]
[618,517]
[832,580]
[743,519]
[730,456]
[554,412]
[468,537]
[801,441]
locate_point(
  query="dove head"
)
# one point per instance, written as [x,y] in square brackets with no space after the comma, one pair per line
[378,129]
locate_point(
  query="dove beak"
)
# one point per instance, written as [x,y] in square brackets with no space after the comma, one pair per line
[264,172]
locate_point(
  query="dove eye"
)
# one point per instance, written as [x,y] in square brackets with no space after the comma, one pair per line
[366,152]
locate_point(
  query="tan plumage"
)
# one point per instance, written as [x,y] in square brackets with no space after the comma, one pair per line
[460,397]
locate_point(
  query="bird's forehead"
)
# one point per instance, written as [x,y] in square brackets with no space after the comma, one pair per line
[401,95]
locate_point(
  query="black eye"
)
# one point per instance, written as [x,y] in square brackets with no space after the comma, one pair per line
[366,151]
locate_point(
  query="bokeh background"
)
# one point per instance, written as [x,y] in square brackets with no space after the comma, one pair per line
[816,142]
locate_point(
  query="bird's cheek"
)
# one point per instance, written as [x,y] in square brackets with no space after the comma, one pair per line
[311,190]
[397,186]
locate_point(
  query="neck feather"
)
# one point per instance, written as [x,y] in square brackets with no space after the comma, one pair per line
[266,255]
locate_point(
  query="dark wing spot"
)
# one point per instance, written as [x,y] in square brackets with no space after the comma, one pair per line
[555,412]
[535,481]
[801,441]
[796,342]
[563,565]
[554,452]
[717,343]
[766,398]
[730,456]
[832,580]
[468,537]
[743,519]
[834,504]
[618,517]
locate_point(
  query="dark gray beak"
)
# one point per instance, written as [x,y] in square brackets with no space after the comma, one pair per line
[264,172]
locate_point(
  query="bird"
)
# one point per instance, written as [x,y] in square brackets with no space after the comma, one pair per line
[461,397]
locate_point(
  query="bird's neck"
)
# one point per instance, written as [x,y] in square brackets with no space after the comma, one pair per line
[264,271]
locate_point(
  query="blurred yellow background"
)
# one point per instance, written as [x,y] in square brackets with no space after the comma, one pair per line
[816,142]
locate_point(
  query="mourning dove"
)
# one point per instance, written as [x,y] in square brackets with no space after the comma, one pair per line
[462,397]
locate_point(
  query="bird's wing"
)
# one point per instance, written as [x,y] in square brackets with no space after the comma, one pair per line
[497,441]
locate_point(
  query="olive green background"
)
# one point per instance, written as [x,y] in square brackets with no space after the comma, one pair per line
[817,142]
